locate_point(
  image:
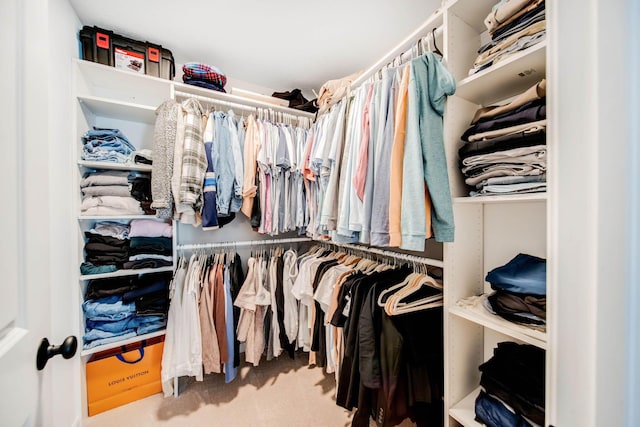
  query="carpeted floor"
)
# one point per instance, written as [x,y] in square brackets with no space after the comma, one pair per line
[282,393]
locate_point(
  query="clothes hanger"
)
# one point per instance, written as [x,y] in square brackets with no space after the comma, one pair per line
[394,304]
[435,46]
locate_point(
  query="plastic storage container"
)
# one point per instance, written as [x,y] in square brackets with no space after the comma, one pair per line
[108,48]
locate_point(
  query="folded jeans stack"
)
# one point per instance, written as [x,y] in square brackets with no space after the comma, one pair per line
[515,380]
[505,146]
[520,291]
[203,75]
[513,25]
[106,145]
[124,307]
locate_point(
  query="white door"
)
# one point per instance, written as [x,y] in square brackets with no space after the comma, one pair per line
[25,317]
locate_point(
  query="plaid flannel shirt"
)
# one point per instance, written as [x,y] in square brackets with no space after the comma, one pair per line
[194,159]
[205,72]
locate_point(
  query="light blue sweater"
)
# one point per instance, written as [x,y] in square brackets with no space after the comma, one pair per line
[424,155]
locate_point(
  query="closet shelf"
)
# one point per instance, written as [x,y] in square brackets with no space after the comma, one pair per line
[110,82]
[464,411]
[235,99]
[117,344]
[507,78]
[119,110]
[113,217]
[115,166]
[122,273]
[481,316]
[511,198]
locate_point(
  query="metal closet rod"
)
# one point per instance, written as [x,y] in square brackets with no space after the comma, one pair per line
[255,108]
[213,245]
[389,254]
[401,49]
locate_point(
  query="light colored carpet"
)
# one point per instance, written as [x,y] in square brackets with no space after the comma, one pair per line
[280,393]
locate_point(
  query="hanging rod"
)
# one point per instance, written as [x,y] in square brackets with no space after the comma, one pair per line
[213,245]
[401,48]
[385,253]
[241,102]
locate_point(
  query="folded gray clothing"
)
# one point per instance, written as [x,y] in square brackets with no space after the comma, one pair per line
[522,188]
[111,229]
[106,178]
[497,170]
[511,180]
[107,190]
[534,155]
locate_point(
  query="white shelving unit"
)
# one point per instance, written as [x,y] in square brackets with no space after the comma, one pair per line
[110,98]
[490,230]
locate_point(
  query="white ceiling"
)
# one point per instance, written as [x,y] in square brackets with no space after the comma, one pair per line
[280,44]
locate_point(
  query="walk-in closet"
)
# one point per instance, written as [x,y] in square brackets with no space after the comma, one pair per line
[340,214]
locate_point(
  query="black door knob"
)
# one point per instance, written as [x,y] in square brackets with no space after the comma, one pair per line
[45,351]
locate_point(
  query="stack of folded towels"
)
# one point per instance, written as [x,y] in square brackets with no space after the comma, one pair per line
[203,75]
[505,146]
[513,25]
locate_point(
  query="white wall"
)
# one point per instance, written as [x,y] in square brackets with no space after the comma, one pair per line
[590,217]
[63,46]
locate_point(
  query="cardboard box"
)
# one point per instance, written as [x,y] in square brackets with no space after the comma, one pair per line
[128,375]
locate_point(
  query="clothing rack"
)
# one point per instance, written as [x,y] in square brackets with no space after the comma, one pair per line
[385,253]
[263,110]
[215,245]
[428,29]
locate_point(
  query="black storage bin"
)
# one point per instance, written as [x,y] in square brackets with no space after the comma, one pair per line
[108,48]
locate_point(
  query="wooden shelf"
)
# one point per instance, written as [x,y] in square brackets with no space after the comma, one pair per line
[478,314]
[115,166]
[123,273]
[120,110]
[510,198]
[507,78]
[464,411]
[117,344]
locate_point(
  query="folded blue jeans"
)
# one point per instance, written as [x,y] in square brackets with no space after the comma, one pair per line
[524,274]
[109,308]
[491,412]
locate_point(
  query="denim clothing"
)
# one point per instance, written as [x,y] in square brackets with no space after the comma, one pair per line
[519,188]
[106,145]
[149,327]
[108,338]
[209,190]
[238,166]
[202,83]
[89,268]
[524,274]
[110,308]
[491,412]
[132,322]
[223,162]
[230,369]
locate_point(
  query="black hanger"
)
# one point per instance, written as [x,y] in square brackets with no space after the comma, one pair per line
[435,46]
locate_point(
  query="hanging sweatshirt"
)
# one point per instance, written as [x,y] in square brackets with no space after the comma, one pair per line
[433,83]
[382,163]
[397,158]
